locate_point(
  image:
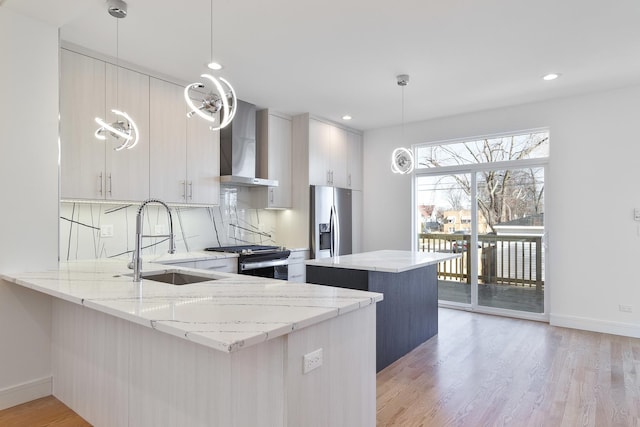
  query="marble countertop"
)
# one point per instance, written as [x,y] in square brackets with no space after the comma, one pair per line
[390,261]
[227,313]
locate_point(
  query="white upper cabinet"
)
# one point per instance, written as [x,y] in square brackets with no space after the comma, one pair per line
[185,166]
[128,169]
[203,161]
[274,153]
[327,154]
[168,146]
[354,160]
[335,155]
[91,168]
[82,99]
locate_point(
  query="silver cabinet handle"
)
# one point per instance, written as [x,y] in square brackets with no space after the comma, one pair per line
[110,185]
[184,190]
[328,176]
[100,184]
[190,190]
[349,180]
[271,195]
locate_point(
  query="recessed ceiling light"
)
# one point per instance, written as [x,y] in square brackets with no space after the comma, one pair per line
[214,66]
[551,76]
[346,117]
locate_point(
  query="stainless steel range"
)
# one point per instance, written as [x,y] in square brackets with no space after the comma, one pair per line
[259,260]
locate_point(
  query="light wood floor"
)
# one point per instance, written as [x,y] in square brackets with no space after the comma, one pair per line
[45,412]
[481,370]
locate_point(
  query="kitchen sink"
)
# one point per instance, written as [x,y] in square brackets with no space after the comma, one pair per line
[174,277]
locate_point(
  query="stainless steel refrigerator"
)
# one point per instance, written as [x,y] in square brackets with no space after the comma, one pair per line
[330,221]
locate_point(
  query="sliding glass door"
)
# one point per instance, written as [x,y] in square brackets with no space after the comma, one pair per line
[483,200]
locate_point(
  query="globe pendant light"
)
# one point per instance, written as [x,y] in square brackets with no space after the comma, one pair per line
[220,96]
[124,128]
[402,158]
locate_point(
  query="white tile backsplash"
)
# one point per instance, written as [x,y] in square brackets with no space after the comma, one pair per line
[233,222]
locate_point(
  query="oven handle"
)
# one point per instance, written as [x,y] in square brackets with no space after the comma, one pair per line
[244,266]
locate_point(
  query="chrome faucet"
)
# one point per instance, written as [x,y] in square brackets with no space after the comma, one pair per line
[136,260]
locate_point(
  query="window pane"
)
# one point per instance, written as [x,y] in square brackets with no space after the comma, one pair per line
[444,224]
[508,148]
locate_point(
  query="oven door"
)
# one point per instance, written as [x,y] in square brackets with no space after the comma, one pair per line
[273,269]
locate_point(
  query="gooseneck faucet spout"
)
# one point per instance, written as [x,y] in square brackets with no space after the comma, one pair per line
[136,261]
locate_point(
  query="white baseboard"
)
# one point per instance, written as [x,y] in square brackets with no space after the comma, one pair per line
[594,325]
[25,392]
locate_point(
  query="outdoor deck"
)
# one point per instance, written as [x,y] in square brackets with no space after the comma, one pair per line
[500,296]
[510,269]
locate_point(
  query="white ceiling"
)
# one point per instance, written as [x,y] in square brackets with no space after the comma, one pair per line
[334,57]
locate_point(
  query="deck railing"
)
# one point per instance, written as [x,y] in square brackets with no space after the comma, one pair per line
[508,260]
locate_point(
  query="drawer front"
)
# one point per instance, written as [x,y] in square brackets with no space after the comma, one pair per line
[297,273]
[227,265]
[297,257]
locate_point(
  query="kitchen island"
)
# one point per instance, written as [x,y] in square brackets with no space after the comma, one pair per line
[228,351]
[408,316]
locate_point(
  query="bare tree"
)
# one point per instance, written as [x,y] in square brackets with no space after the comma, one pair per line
[503,195]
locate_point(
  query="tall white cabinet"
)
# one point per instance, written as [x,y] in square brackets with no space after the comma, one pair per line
[323,153]
[91,168]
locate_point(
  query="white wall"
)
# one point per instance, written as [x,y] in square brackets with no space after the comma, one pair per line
[591,192]
[29,194]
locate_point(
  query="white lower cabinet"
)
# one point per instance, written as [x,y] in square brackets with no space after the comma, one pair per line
[297,268]
[225,265]
[142,377]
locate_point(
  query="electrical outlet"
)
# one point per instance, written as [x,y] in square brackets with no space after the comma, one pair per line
[106,230]
[311,361]
[625,308]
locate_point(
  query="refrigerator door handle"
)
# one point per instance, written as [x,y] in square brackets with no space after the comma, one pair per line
[336,232]
[332,228]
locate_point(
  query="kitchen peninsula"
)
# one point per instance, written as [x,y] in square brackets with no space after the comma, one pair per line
[232,350]
[408,316]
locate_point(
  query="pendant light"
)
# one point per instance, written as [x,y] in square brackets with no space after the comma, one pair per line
[220,98]
[124,127]
[402,158]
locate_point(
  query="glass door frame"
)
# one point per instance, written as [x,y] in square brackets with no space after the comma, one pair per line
[472,170]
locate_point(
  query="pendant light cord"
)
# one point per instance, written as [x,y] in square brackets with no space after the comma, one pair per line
[403,114]
[117,60]
[211,28]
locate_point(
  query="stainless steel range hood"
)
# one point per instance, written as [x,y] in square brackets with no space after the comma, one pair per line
[238,150]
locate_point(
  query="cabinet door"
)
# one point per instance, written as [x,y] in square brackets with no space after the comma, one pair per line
[168,162]
[319,152]
[203,162]
[127,170]
[82,99]
[354,160]
[338,157]
[279,159]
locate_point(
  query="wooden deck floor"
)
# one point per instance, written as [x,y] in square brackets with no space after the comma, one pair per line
[521,298]
[481,370]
